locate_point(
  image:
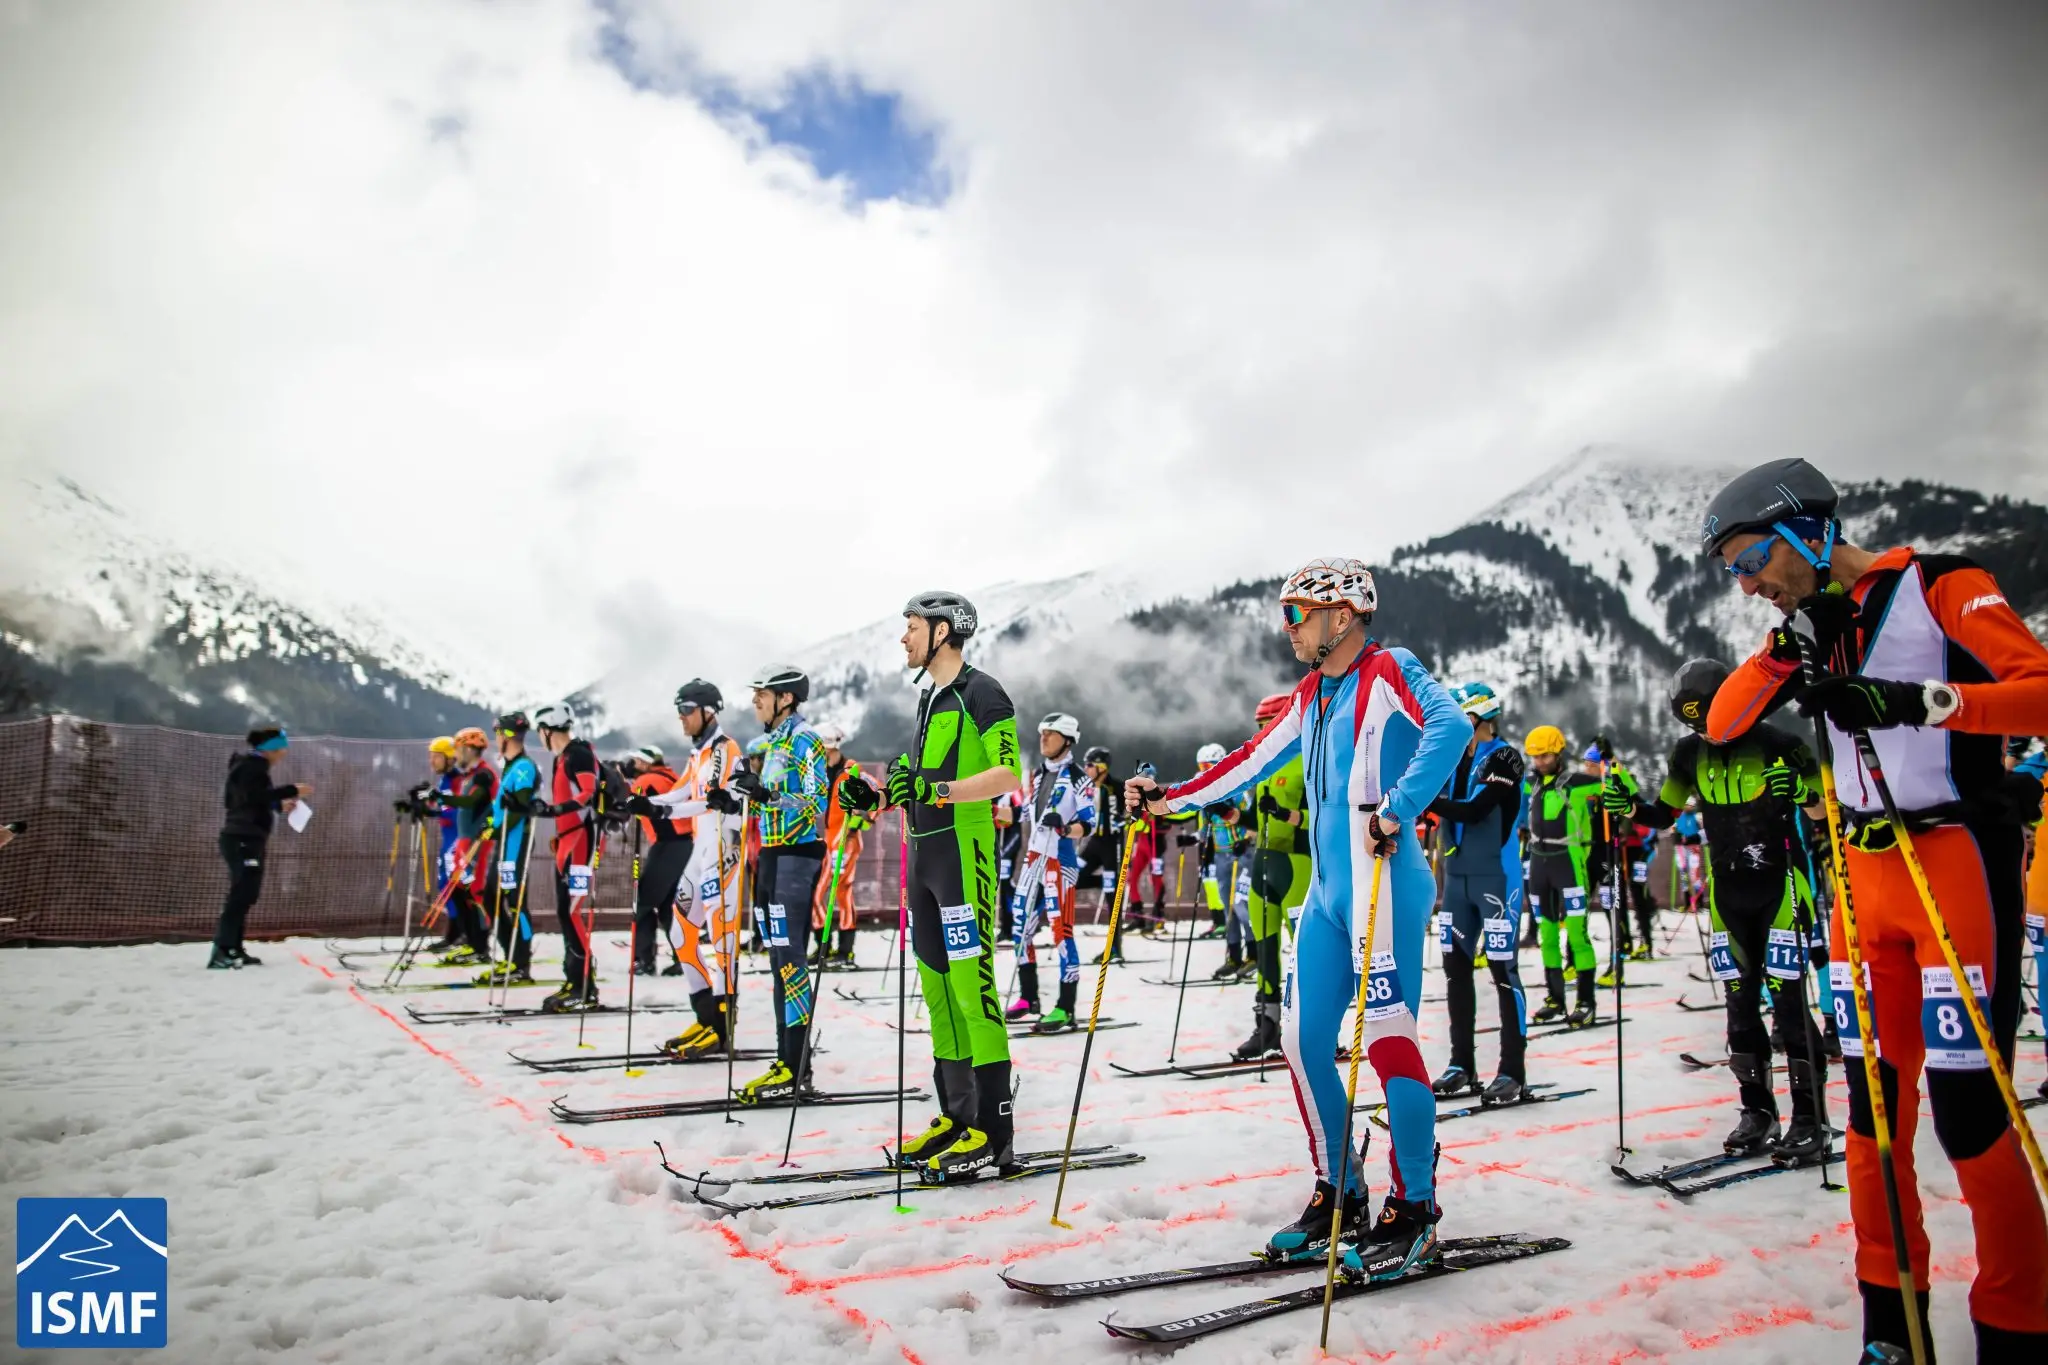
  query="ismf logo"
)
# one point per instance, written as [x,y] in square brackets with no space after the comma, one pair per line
[90,1272]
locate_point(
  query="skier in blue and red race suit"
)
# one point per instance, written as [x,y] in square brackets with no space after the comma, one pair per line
[1379,737]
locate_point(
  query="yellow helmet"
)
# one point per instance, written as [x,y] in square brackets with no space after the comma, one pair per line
[1544,739]
[444,746]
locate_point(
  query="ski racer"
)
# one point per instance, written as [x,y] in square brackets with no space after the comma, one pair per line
[1225,885]
[1103,848]
[786,801]
[1482,902]
[1056,811]
[843,831]
[1378,737]
[572,803]
[1279,882]
[472,797]
[669,842]
[441,781]
[1921,657]
[1560,835]
[964,757]
[1759,901]
[512,816]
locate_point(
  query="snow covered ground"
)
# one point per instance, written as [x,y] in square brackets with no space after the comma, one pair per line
[347,1186]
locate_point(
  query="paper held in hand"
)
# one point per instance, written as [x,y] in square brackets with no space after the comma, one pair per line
[301,815]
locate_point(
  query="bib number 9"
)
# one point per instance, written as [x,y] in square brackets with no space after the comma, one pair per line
[1574,902]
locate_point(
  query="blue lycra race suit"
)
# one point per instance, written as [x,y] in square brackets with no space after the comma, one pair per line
[1385,735]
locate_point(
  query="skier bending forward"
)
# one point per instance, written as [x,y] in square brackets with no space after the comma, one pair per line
[1379,738]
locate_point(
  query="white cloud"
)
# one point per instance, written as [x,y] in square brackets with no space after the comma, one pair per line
[425,293]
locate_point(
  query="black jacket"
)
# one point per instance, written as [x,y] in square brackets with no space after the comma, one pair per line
[250,799]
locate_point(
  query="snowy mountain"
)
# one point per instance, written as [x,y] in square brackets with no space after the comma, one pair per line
[1576,597]
[104,616]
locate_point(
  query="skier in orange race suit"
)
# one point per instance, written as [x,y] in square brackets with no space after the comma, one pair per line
[1924,653]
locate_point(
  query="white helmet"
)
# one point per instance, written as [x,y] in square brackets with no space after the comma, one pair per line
[1060,723]
[1332,583]
[1211,754]
[554,716]
[650,754]
[831,736]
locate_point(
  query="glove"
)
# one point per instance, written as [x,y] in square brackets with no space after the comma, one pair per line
[1270,808]
[1615,797]
[721,800]
[907,788]
[1781,781]
[1854,702]
[406,804]
[858,796]
[750,785]
[1783,646]
[638,804]
[1832,614]
[1382,837]
[545,808]
[1051,820]
[1186,840]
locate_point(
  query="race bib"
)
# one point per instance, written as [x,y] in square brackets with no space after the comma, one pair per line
[2037,931]
[1951,1038]
[707,891]
[1108,882]
[1639,871]
[1720,960]
[1244,883]
[1443,930]
[508,871]
[447,863]
[1606,896]
[1784,955]
[579,879]
[1383,999]
[963,933]
[1500,938]
[1574,902]
[1004,873]
[1848,1029]
[777,932]
[1158,868]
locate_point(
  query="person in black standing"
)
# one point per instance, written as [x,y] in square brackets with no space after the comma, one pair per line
[251,802]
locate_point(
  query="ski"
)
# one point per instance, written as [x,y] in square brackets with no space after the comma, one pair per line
[1554,1030]
[1446,1115]
[1683,1169]
[1073,1030]
[1197,1274]
[1691,1008]
[527,1012]
[1455,1258]
[841,1174]
[604,1061]
[1722,1182]
[1024,1171]
[2033,1101]
[365,986]
[1195,982]
[1202,1071]
[1699,1063]
[676,1109]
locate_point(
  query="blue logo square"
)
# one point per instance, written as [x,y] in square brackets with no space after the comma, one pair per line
[91,1272]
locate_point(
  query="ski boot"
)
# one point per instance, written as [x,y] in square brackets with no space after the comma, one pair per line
[1607,979]
[672,969]
[1754,1131]
[1757,1126]
[1587,1008]
[913,1152]
[222,962]
[1503,1089]
[1232,966]
[778,1082]
[1640,953]
[1455,1081]
[643,969]
[1022,1008]
[461,956]
[1553,998]
[693,1042]
[1265,1038]
[969,1153]
[571,999]
[1307,1238]
[243,958]
[1403,1239]
[1026,1003]
[1805,1138]
[503,976]
[1884,1324]
[1054,1020]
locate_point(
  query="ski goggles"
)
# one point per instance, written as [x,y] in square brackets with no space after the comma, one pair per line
[1295,614]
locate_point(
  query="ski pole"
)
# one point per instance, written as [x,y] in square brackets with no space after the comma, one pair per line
[1873,1083]
[903,946]
[633,969]
[1814,1053]
[1116,909]
[439,906]
[521,931]
[1187,962]
[390,878]
[732,972]
[1867,751]
[803,1054]
[1617,889]
[1372,925]
[590,930]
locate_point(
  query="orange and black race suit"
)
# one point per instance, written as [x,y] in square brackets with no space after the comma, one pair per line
[667,854]
[1932,618]
[573,795]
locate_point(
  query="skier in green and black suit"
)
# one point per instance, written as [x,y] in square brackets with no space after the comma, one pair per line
[1749,791]
[1280,877]
[964,756]
[1560,830]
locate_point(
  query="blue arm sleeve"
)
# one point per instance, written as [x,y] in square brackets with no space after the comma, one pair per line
[1445,733]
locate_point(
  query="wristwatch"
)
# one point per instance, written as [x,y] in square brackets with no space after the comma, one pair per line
[1940,700]
[942,792]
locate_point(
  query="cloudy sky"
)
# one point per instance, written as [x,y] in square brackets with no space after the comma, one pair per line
[714,328]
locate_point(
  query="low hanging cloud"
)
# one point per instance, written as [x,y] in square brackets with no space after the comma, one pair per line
[546,312]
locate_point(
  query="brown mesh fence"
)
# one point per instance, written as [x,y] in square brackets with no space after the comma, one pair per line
[123,821]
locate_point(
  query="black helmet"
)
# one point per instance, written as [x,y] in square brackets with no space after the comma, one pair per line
[1782,490]
[950,607]
[783,678]
[513,723]
[1096,755]
[697,692]
[1692,691]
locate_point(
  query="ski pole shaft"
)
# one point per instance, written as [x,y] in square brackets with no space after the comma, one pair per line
[903,947]
[1615,920]
[390,880]
[732,970]
[633,939]
[520,931]
[1187,961]
[590,931]
[1123,895]
[1803,912]
[803,1054]
[1372,925]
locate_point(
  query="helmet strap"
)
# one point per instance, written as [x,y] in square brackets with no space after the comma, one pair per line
[1821,561]
[1338,639]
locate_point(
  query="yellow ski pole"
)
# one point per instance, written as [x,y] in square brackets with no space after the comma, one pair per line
[1372,924]
[1116,909]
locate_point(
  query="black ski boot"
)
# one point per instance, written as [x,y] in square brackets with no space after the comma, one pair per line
[222,962]
[1757,1127]
[1233,964]
[1805,1137]
[1553,1000]
[1884,1322]
[1403,1238]
[1265,1039]
[1587,1009]
[1307,1238]
[1505,1089]
[244,958]
[1456,1080]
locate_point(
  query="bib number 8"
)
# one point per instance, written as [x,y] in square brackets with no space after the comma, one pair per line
[1952,1043]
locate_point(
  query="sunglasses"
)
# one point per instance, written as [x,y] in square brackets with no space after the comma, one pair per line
[1294,614]
[1752,561]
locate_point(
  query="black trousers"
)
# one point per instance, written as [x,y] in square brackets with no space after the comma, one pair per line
[244,855]
[654,904]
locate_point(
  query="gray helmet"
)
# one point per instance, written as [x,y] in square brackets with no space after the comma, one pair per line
[697,692]
[950,607]
[782,678]
[1782,490]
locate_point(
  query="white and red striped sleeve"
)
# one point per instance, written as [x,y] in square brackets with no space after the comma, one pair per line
[1257,759]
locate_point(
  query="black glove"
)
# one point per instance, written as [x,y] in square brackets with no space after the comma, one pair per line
[1270,808]
[1051,819]
[907,788]
[1186,840]
[1382,837]
[407,805]
[750,785]
[1832,616]
[545,808]
[721,800]
[1781,781]
[638,804]
[1616,798]
[1854,702]
[1782,645]
[857,796]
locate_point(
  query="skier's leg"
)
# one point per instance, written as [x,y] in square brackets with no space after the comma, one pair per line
[1502,907]
[793,886]
[1391,1041]
[1321,988]
[1459,937]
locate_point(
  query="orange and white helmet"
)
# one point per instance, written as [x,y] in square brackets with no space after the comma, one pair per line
[1332,583]
[470,737]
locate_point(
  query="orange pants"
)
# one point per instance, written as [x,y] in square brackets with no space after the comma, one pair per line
[849,846]
[1975,876]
